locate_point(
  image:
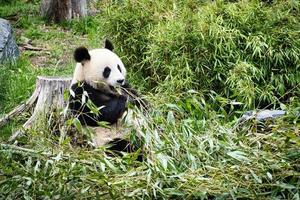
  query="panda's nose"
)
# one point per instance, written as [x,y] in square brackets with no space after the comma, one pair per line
[121,81]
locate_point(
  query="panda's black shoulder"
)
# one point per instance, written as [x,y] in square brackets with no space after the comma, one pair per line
[98,96]
[79,87]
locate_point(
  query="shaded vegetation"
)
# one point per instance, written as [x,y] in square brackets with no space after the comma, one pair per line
[201,65]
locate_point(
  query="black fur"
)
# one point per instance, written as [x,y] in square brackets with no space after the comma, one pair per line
[106,72]
[108,45]
[81,54]
[113,105]
[120,145]
[119,68]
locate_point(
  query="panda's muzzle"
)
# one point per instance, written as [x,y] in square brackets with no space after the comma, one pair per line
[121,81]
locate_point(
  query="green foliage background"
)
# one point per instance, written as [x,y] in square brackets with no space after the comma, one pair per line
[248,50]
[201,64]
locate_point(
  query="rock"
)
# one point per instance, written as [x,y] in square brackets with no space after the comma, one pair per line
[261,115]
[9,50]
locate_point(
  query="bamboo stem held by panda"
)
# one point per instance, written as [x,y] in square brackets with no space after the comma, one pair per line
[49,96]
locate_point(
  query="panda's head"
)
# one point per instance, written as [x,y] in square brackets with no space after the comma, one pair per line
[99,66]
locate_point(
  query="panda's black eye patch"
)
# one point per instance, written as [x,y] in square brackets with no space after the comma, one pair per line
[106,72]
[119,68]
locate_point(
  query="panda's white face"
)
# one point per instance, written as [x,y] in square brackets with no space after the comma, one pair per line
[103,66]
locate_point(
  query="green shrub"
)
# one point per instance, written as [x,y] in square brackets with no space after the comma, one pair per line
[192,45]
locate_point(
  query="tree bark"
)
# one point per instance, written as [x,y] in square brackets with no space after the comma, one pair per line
[79,8]
[63,10]
[51,96]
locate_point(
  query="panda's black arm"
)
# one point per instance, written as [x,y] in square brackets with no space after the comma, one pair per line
[113,109]
[134,97]
[113,106]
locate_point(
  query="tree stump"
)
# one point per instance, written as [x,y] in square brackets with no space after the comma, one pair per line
[63,10]
[47,97]
[51,96]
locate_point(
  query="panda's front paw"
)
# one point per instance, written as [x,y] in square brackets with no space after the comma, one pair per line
[123,98]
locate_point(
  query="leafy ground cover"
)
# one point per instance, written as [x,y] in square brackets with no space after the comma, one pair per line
[201,64]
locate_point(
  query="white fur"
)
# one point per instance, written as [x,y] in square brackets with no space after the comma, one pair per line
[91,71]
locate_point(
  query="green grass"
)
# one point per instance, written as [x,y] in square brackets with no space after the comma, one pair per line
[201,64]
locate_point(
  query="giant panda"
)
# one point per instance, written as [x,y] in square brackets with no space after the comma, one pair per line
[98,75]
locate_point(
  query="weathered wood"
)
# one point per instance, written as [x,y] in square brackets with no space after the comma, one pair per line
[79,8]
[49,95]
[62,10]
[32,48]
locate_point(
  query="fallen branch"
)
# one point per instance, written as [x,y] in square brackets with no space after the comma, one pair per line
[32,48]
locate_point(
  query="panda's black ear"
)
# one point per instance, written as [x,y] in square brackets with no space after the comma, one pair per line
[81,54]
[108,45]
